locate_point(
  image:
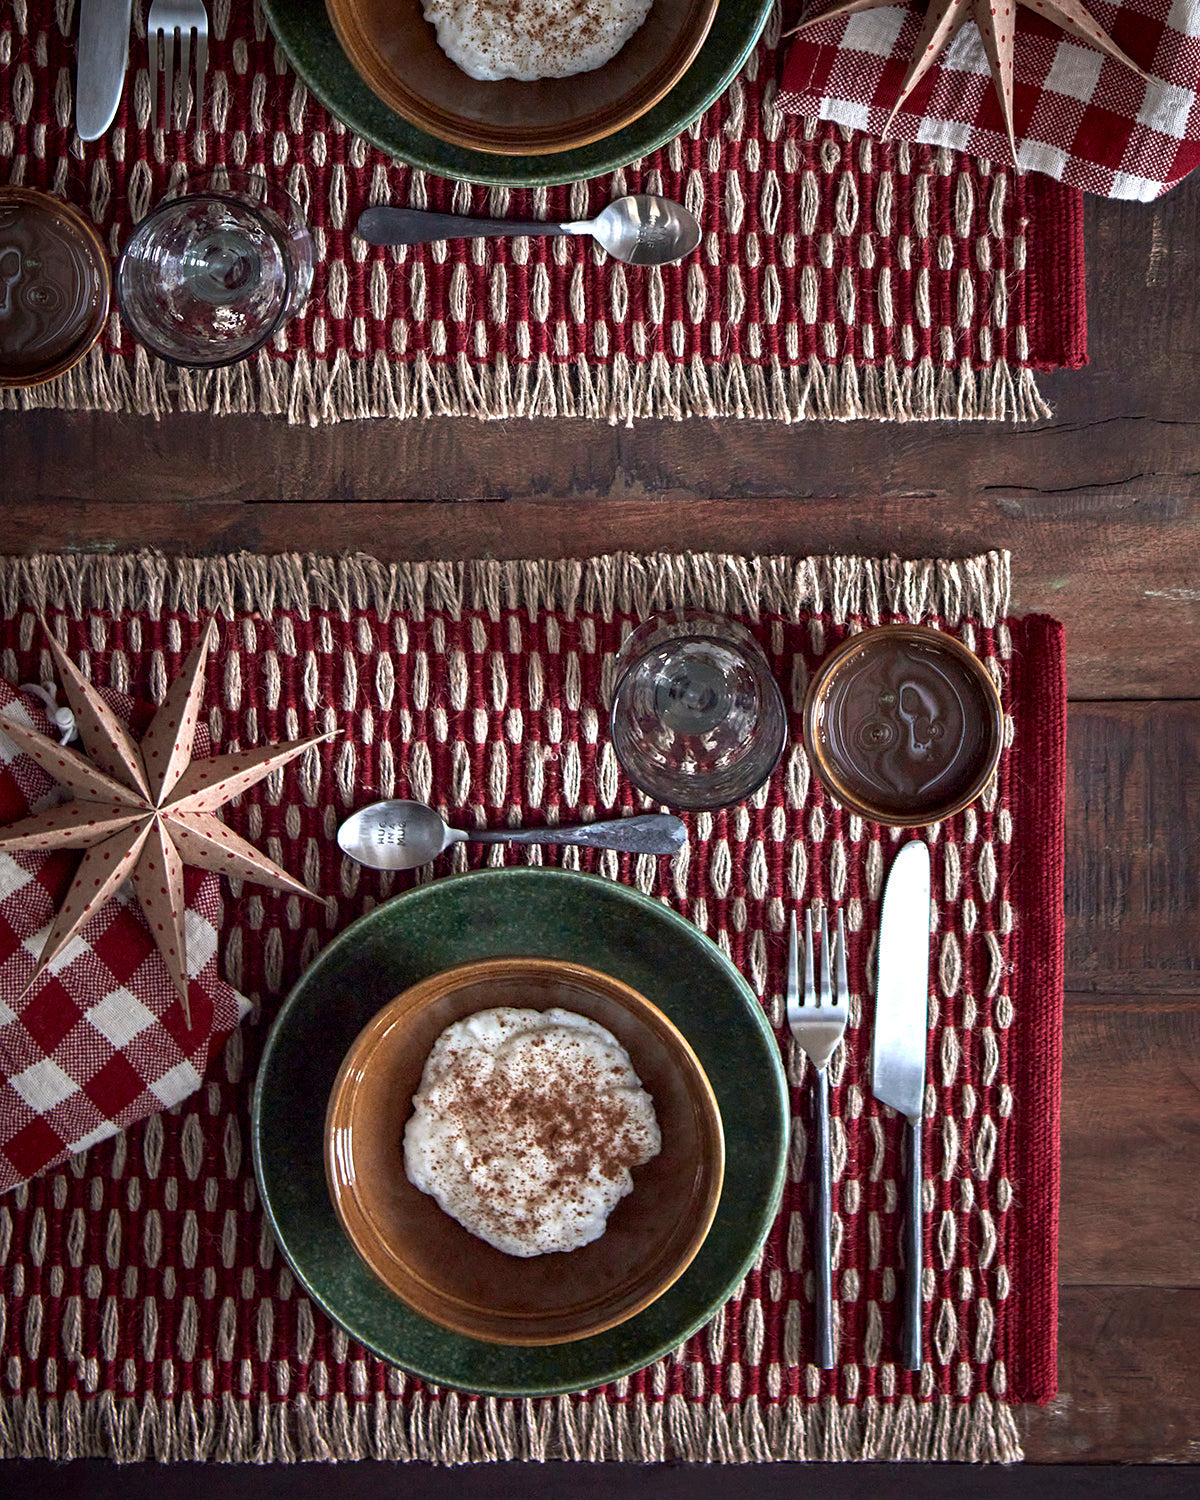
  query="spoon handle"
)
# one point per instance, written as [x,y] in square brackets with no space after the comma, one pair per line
[648,833]
[382,225]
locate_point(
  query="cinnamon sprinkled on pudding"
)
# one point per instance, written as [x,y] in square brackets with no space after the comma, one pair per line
[526,1128]
[530,39]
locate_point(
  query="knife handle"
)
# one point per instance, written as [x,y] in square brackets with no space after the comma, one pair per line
[823,1215]
[913,1251]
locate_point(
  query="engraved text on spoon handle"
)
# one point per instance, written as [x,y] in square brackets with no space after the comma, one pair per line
[648,833]
[383,225]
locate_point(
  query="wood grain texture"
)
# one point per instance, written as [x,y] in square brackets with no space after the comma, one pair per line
[97,1480]
[1130,1142]
[1127,590]
[1133,894]
[1129,1367]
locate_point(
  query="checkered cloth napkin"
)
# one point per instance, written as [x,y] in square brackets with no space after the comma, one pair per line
[101,1040]
[1079,116]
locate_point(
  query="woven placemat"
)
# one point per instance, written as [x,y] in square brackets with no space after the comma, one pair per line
[838,277]
[146,1309]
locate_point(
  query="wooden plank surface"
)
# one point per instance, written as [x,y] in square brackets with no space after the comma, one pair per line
[97,1480]
[1131,1140]
[1133,898]
[1127,591]
[1101,507]
[1128,1370]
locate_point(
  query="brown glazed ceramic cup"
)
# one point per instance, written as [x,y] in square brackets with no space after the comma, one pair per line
[447,1274]
[55,287]
[395,51]
[903,724]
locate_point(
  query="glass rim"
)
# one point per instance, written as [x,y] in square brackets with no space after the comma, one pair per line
[160,211]
[704,803]
[688,639]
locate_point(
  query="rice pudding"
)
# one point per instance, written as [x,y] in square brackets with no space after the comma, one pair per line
[531,39]
[526,1128]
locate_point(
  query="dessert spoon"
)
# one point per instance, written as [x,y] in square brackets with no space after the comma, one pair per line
[401,835]
[642,229]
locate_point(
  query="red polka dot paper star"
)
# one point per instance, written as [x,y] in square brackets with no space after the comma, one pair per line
[144,810]
[997,22]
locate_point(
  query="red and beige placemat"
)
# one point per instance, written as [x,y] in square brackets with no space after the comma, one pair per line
[147,1311]
[838,277]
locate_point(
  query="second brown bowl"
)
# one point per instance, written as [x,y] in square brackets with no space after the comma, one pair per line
[447,1274]
[395,51]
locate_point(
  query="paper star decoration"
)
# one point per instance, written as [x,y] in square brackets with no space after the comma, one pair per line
[997,21]
[144,810]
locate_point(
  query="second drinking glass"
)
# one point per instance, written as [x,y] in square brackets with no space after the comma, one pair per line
[698,719]
[215,269]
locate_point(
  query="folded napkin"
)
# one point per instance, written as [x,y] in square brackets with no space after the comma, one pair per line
[100,1041]
[1079,116]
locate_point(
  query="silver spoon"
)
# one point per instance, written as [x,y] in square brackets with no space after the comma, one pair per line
[643,229]
[403,835]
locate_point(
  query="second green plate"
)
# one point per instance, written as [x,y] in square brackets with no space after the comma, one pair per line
[303,31]
[547,913]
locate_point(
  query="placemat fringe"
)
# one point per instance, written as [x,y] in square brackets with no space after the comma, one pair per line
[845,587]
[463,1429]
[315,391]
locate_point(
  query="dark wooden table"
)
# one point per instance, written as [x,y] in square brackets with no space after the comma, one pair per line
[1100,506]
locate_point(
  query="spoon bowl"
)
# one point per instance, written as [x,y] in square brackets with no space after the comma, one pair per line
[641,229]
[403,835]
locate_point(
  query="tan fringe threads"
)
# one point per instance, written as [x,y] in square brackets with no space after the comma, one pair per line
[314,391]
[622,583]
[485,1429]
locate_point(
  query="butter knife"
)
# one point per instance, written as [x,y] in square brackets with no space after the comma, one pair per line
[103,56]
[898,1051]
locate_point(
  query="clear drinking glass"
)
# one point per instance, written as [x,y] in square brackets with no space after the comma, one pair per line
[215,268]
[697,718]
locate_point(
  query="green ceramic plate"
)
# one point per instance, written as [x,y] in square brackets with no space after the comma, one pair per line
[303,31]
[530,912]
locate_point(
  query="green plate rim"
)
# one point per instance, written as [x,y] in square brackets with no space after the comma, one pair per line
[303,31]
[612,1367]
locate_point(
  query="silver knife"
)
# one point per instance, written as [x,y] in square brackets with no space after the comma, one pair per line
[103,55]
[898,1052]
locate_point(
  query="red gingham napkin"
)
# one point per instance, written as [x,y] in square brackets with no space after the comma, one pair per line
[1079,116]
[101,1041]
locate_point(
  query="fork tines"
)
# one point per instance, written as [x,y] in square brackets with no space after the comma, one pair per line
[823,1010]
[160,39]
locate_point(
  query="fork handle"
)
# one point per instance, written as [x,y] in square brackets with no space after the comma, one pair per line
[913,1252]
[823,1214]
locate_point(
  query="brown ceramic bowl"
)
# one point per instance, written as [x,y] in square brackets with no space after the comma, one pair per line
[447,1274]
[395,50]
[903,724]
[56,287]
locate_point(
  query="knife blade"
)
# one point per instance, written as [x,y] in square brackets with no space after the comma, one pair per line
[898,1048]
[100,72]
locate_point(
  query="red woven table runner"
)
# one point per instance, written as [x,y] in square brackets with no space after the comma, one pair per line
[147,1310]
[838,277]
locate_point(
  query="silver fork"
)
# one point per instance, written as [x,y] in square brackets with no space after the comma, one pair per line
[818,1026]
[165,19]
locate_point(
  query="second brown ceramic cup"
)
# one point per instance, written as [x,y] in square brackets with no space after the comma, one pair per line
[904,725]
[55,287]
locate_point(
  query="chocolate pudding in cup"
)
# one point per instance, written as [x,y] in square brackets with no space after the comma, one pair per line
[903,725]
[55,287]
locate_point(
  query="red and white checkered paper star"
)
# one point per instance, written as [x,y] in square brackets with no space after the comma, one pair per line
[997,23]
[144,811]
[102,1041]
